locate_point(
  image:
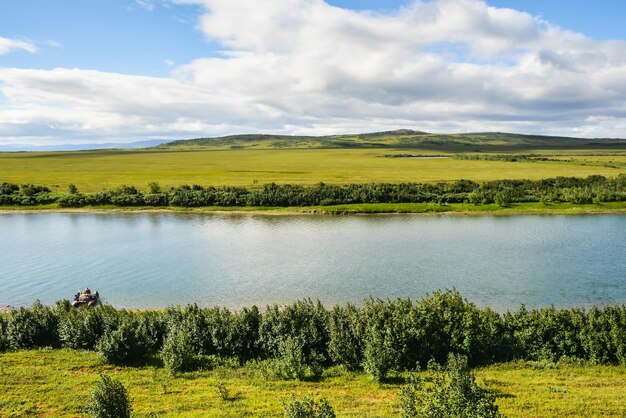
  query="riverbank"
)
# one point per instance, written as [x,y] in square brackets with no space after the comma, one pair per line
[58,383]
[356,209]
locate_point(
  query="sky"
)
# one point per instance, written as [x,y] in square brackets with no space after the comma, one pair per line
[75,71]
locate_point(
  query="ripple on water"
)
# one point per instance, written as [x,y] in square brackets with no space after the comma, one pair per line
[156,260]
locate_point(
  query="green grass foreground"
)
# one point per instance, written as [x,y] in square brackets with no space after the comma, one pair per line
[361,208]
[58,383]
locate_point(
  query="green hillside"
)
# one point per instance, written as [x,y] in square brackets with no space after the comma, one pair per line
[402,138]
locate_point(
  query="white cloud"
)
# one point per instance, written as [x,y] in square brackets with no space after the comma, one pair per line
[303,66]
[7,45]
[145,4]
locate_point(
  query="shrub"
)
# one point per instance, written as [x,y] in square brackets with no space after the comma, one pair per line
[124,345]
[223,391]
[235,334]
[379,356]
[408,402]
[306,407]
[109,399]
[152,327]
[454,393]
[603,336]
[303,320]
[177,352]
[294,363]
[345,346]
[4,340]
[503,198]
[32,327]
[195,322]
[81,328]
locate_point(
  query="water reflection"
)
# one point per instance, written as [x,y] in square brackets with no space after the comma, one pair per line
[156,259]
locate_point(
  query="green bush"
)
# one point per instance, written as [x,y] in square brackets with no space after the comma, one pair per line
[345,346]
[603,335]
[177,352]
[294,363]
[453,394]
[4,340]
[305,407]
[503,198]
[235,334]
[304,320]
[548,333]
[408,402]
[109,399]
[152,327]
[380,356]
[195,321]
[81,328]
[124,345]
[32,327]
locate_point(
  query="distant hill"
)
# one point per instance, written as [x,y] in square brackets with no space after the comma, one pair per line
[83,147]
[402,138]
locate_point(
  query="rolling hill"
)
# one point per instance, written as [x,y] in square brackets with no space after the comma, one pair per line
[402,138]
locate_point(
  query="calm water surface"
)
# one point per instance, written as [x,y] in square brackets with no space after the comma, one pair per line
[157,260]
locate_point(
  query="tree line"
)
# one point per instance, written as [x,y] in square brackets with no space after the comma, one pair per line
[300,340]
[503,192]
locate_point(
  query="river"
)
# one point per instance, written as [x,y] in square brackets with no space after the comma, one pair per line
[148,260]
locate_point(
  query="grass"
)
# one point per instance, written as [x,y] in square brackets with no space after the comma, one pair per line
[58,383]
[362,208]
[96,170]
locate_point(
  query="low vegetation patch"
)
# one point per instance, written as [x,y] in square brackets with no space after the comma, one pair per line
[304,344]
[593,189]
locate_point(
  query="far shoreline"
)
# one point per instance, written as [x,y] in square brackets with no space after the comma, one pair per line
[453,209]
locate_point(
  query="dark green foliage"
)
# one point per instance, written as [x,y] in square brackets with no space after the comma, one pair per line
[152,327]
[81,328]
[109,399]
[300,339]
[504,198]
[8,188]
[4,340]
[380,355]
[547,333]
[294,363]
[194,321]
[305,321]
[603,336]
[408,402]
[177,352]
[345,346]
[306,407]
[235,334]
[37,326]
[448,323]
[126,344]
[503,192]
[453,394]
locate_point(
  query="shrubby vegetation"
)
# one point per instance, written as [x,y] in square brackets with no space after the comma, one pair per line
[453,393]
[109,399]
[300,340]
[503,192]
[306,407]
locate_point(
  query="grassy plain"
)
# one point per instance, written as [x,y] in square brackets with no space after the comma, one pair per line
[96,170]
[58,382]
